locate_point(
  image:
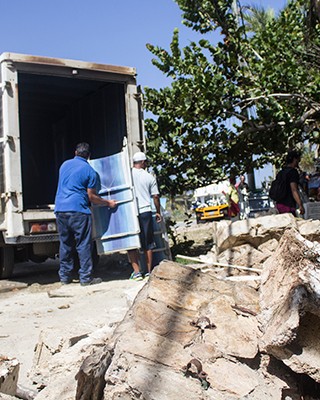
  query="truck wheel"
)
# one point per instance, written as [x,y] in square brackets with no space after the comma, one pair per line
[6,262]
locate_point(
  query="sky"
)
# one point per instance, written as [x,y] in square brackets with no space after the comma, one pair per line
[107,31]
[104,31]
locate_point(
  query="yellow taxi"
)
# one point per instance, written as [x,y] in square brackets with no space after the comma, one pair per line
[208,213]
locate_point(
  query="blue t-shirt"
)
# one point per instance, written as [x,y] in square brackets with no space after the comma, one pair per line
[75,177]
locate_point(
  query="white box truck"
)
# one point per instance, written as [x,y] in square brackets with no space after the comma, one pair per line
[47,106]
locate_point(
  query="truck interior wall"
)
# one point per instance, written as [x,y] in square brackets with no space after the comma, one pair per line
[2,169]
[1,149]
[56,113]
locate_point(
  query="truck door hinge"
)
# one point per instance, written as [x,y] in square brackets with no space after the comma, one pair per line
[6,85]
[8,195]
[137,96]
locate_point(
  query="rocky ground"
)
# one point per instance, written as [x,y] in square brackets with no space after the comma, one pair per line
[242,323]
[33,301]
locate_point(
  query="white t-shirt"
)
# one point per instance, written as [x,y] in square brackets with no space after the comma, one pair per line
[145,186]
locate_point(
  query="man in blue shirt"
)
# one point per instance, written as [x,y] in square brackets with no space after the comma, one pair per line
[76,190]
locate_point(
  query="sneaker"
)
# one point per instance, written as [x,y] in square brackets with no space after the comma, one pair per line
[65,282]
[147,275]
[136,276]
[93,281]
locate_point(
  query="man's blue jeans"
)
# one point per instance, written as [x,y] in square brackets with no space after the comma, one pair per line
[75,230]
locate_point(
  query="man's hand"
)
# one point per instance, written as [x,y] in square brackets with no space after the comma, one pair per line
[157,205]
[98,200]
[296,196]
[112,203]
[158,217]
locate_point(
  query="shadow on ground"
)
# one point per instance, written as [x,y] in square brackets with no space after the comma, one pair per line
[111,267]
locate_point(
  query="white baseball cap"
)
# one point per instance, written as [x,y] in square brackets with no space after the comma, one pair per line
[139,156]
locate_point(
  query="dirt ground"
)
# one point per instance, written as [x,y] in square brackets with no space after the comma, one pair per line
[34,301]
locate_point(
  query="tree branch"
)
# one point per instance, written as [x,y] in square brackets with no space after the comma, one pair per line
[296,124]
[314,105]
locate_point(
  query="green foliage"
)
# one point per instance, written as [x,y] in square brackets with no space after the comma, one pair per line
[257,18]
[307,162]
[242,96]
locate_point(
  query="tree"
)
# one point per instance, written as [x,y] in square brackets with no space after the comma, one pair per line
[240,97]
[257,18]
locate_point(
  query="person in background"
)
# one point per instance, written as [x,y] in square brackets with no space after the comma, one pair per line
[292,197]
[304,179]
[76,190]
[243,191]
[146,189]
[232,199]
[314,184]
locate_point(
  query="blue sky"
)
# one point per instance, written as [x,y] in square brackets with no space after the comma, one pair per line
[105,31]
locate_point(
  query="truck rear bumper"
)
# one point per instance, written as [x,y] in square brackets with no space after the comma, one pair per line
[44,238]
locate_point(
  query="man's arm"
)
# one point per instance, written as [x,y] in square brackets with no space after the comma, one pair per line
[156,201]
[98,200]
[296,196]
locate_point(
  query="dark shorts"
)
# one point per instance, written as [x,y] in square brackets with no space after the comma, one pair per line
[146,231]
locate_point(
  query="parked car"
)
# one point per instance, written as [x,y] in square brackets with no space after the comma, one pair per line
[259,202]
[208,213]
[210,202]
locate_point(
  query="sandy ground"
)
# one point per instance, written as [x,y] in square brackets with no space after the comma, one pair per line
[34,301]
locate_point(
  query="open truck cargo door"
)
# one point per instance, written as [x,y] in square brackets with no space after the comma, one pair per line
[116,230]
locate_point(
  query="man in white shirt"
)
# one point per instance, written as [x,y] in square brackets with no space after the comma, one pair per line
[146,188]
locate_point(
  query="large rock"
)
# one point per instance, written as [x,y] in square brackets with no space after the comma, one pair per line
[254,231]
[188,335]
[50,343]
[269,247]
[9,373]
[59,376]
[60,357]
[244,255]
[309,229]
[196,237]
[181,315]
[290,304]
[91,375]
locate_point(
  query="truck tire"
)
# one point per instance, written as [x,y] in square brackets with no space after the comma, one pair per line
[6,262]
